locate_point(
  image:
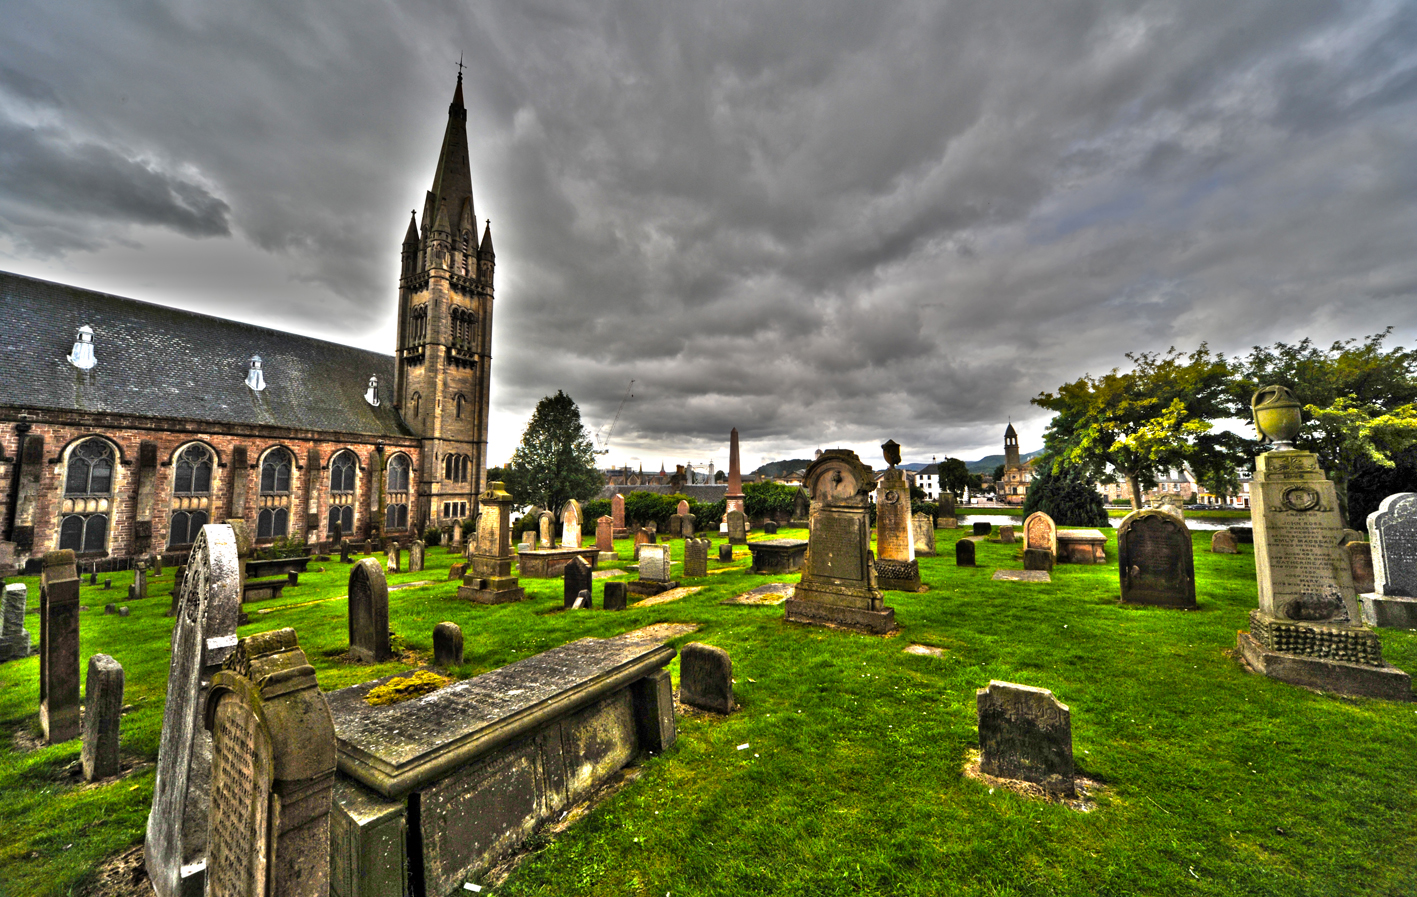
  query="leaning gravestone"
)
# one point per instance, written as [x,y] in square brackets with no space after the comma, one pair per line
[273,773]
[415,557]
[103,707]
[345,548]
[964,553]
[1155,559]
[1223,542]
[14,638]
[1039,531]
[447,645]
[706,678]
[1025,733]
[202,638]
[368,613]
[1006,534]
[1393,527]
[59,647]
[393,558]
[576,579]
[695,558]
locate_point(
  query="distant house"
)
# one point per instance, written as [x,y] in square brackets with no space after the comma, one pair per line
[928,481]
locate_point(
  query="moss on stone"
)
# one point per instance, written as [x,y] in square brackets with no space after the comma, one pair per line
[404,688]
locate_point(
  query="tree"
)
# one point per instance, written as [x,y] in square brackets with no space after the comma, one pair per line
[954,475]
[1360,400]
[1143,421]
[998,473]
[556,460]
[1067,496]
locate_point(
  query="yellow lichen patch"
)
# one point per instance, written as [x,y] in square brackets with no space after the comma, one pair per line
[404,688]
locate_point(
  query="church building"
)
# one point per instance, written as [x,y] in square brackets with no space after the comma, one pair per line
[1012,489]
[125,426]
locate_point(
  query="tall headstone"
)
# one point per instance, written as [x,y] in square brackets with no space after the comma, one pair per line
[695,558]
[689,526]
[491,580]
[59,647]
[345,549]
[394,556]
[1393,529]
[1155,559]
[447,645]
[706,678]
[737,527]
[674,527]
[457,535]
[139,589]
[14,638]
[617,512]
[605,534]
[964,553]
[273,773]
[415,556]
[945,511]
[571,524]
[1307,629]
[838,582]
[368,613]
[734,498]
[576,579]
[547,523]
[1025,733]
[203,636]
[896,567]
[1039,531]
[923,530]
[103,708]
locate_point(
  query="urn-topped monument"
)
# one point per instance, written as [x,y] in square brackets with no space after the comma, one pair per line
[839,574]
[491,580]
[1307,630]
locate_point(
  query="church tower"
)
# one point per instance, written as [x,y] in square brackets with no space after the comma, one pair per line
[445,334]
[1010,448]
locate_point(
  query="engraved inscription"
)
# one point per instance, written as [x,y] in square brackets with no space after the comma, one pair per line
[240,785]
[836,547]
[1038,534]
[1301,555]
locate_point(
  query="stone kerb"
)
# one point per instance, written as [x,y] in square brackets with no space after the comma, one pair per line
[203,636]
[1393,530]
[1039,531]
[272,774]
[1155,560]
[368,613]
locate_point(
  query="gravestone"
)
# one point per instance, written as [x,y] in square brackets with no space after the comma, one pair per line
[1360,564]
[770,528]
[157,566]
[1155,559]
[945,508]
[617,512]
[368,613]
[674,526]
[546,521]
[896,567]
[656,568]
[447,645]
[605,535]
[964,553]
[139,589]
[1037,559]
[1039,531]
[1308,628]
[103,708]
[457,536]
[528,540]
[571,524]
[203,635]
[123,611]
[577,579]
[345,549]
[394,558]
[1006,534]
[838,584]
[14,638]
[582,601]
[110,610]
[725,552]
[1245,535]
[689,526]
[273,772]
[415,557]
[491,580]
[1025,733]
[983,527]
[923,529]
[695,558]
[59,647]
[737,527]
[706,678]
[614,597]
[1392,600]
[1223,542]
[642,538]
[93,577]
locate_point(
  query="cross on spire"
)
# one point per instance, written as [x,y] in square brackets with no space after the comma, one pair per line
[460,66]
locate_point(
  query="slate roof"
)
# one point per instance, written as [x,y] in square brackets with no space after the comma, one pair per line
[155,361]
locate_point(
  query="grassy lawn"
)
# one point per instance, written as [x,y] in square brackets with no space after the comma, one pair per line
[1217,781]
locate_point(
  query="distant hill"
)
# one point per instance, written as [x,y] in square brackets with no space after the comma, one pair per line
[781,468]
[987,463]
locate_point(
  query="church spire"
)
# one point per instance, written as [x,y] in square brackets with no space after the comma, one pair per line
[452,182]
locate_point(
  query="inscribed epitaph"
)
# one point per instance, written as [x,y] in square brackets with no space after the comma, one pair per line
[1025,733]
[1155,560]
[571,524]
[1039,531]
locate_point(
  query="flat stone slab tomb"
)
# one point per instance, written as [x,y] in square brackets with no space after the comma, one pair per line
[550,563]
[440,787]
[1021,576]
[1081,546]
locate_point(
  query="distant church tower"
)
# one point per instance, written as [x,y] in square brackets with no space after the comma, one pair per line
[445,334]
[1010,448]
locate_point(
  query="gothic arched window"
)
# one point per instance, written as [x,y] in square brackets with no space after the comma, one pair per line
[342,469]
[396,491]
[275,472]
[274,517]
[88,497]
[191,494]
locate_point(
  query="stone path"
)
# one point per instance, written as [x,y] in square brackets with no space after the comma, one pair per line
[769,593]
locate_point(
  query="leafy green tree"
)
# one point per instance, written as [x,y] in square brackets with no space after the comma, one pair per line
[1067,496]
[1144,421]
[998,473]
[1360,400]
[768,501]
[556,460]
[955,476]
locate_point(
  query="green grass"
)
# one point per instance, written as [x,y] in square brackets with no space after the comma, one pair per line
[1218,782]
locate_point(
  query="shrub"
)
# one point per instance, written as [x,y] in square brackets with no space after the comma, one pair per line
[432,536]
[769,501]
[1070,498]
[595,509]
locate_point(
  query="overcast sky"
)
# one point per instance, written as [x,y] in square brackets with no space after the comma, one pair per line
[824,222]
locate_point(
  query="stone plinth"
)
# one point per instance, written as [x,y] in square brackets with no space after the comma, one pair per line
[1081,546]
[551,563]
[898,576]
[1037,559]
[490,579]
[778,555]
[1025,733]
[474,768]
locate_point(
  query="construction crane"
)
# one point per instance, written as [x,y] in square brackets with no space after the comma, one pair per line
[604,442]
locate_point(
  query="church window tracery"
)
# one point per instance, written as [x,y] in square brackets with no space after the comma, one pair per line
[88,491]
[396,491]
[342,473]
[191,494]
[274,518]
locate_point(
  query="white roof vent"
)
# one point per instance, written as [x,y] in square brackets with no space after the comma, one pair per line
[254,378]
[82,357]
[371,395]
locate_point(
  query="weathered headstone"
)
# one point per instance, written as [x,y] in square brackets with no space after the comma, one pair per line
[674,526]
[922,527]
[103,707]
[203,636]
[1392,600]
[1155,559]
[345,549]
[1037,559]
[1308,627]
[457,536]
[605,535]
[1039,531]
[394,557]
[1360,564]
[547,523]
[695,558]
[528,540]
[964,553]
[1006,534]
[617,512]
[59,647]
[577,578]
[838,582]
[737,527]
[983,527]
[110,610]
[725,552]
[14,638]
[447,645]
[123,611]
[107,583]
[273,771]
[571,524]
[157,566]
[614,597]
[706,678]
[1223,542]
[139,589]
[642,538]
[896,567]
[368,613]
[93,577]
[415,556]
[1245,535]
[655,563]
[491,580]
[1025,733]
[770,528]
[456,572]
[582,601]
[689,526]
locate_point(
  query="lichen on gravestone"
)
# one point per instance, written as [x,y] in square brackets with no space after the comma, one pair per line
[405,688]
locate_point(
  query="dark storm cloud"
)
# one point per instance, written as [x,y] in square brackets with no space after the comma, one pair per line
[823,223]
